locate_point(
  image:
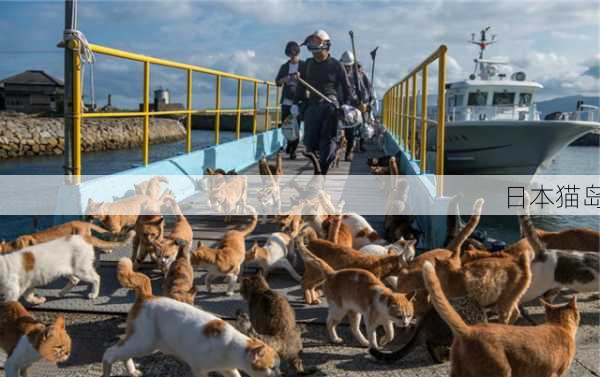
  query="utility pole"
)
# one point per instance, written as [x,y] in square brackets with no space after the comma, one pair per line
[70,24]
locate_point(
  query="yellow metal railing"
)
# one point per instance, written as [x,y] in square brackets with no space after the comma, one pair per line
[401,116]
[78,113]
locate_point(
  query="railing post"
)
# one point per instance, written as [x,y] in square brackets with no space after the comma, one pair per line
[267,108]
[255,111]
[76,145]
[400,118]
[423,163]
[238,114]
[218,111]
[413,131]
[441,121]
[146,113]
[396,113]
[406,116]
[188,139]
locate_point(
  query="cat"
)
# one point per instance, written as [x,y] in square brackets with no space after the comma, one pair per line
[336,231]
[72,256]
[553,268]
[341,151]
[265,168]
[410,278]
[506,350]
[181,235]
[69,228]
[273,319]
[403,247]
[340,257]
[198,338]
[227,193]
[26,340]
[150,187]
[179,280]
[274,254]
[114,216]
[148,230]
[227,258]
[362,232]
[359,293]
[390,169]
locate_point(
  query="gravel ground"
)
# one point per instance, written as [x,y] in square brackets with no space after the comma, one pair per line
[92,334]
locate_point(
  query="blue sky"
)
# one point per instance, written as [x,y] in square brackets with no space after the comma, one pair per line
[555,42]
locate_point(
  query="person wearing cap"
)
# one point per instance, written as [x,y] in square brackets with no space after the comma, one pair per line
[287,78]
[327,75]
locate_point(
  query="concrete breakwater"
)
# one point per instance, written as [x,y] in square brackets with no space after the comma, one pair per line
[22,135]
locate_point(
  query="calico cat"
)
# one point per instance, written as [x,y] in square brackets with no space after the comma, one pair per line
[274,320]
[359,293]
[552,268]
[339,257]
[225,260]
[166,249]
[72,256]
[505,350]
[179,281]
[81,228]
[26,340]
[362,232]
[198,338]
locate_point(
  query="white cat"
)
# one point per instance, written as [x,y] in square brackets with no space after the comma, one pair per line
[274,254]
[73,257]
[362,232]
[198,338]
[551,268]
[405,248]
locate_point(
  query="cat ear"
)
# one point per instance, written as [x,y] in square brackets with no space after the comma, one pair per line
[60,322]
[411,296]
[257,353]
[573,302]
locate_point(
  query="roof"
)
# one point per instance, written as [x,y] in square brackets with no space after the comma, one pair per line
[505,83]
[32,77]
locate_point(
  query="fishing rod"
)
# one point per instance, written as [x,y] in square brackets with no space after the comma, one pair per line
[373,56]
[359,91]
[315,91]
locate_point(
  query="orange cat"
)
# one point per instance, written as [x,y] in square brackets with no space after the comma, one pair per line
[337,232]
[179,282]
[148,230]
[339,257]
[267,169]
[410,278]
[359,293]
[489,349]
[167,248]
[70,228]
[227,258]
[26,340]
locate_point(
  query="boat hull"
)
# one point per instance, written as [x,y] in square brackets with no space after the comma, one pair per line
[505,147]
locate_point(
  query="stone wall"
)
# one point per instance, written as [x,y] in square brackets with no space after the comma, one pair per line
[22,135]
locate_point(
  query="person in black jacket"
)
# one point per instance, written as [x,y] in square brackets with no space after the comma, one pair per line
[286,77]
[327,75]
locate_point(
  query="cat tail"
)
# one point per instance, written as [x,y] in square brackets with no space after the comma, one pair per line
[456,245]
[309,258]
[454,222]
[528,229]
[390,357]
[115,240]
[250,227]
[441,304]
[133,280]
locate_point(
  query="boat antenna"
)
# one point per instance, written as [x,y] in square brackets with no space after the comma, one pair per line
[483,42]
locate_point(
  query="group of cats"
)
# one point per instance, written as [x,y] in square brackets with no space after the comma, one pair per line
[450,292]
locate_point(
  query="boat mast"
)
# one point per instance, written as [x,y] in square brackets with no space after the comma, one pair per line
[482,43]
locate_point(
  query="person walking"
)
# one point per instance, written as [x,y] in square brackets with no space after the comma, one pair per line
[287,79]
[327,75]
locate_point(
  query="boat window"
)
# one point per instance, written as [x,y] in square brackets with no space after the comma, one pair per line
[525,99]
[451,101]
[503,98]
[477,98]
[460,100]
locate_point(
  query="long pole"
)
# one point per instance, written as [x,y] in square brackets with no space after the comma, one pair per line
[68,91]
[355,68]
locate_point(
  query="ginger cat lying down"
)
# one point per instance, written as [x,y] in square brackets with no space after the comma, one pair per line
[358,293]
[26,340]
[504,350]
[198,338]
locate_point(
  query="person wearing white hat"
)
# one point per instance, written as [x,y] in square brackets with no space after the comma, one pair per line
[327,75]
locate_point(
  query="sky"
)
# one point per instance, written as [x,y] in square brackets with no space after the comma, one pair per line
[555,42]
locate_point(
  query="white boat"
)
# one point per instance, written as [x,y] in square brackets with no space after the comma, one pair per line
[493,127]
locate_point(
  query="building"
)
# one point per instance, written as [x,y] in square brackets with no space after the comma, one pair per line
[32,92]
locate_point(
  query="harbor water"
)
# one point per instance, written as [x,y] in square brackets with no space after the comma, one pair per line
[571,161]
